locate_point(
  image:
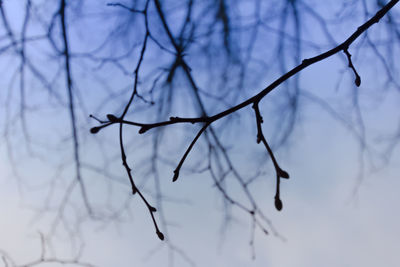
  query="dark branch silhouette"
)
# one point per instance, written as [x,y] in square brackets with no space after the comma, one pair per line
[158,66]
[208,120]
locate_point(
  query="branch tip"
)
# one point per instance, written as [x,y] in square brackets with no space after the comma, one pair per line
[176,175]
[143,130]
[283,174]
[95,130]
[278,204]
[152,209]
[112,118]
[160,235]
[357,81]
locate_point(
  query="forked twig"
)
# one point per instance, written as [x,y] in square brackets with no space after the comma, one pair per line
[208,120]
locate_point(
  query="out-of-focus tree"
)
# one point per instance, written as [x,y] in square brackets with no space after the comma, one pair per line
[174,85]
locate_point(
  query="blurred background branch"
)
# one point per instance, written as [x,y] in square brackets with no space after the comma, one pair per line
[180,72]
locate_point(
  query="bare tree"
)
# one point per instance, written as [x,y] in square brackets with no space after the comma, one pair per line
[157,66]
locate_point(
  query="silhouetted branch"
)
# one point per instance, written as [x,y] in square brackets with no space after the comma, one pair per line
[253,100]
[216,52]
[279,172]
[357,81]
[180,62]
[176,171]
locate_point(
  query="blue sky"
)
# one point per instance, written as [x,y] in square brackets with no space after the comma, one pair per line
[331,216]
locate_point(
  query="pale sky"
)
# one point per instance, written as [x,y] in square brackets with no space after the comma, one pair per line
[330,218]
